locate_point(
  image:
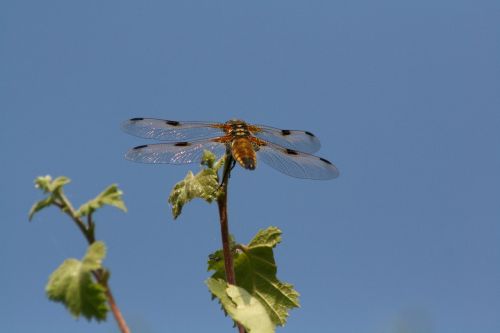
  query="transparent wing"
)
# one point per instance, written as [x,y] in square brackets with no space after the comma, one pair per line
[174,153]
[297,164]
[171,130]
[293,139]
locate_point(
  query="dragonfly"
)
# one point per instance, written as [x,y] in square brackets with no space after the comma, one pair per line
[288,151]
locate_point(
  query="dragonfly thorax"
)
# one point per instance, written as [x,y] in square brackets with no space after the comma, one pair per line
[237,128]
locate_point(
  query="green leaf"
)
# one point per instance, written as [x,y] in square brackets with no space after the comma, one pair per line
[269,238]
[255,271]
[204,185]
[216,259]
[208,159]
[111,196]
[241,306]
[48,185]
[73,285]
[38,206]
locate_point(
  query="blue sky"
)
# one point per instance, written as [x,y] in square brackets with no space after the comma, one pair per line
[404,96]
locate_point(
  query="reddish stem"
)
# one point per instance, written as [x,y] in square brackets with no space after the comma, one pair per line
[120,320]
[224,228]
[116,312]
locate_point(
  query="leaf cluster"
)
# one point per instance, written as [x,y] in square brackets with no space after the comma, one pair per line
[81,285]
[111,196]
[255,270]
[260,301]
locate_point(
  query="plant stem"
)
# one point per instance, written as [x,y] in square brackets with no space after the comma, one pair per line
[224,226]
[122,324]
[63,203]
[88,231]
[120,320]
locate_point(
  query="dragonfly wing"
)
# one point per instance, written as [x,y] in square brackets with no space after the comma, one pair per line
[174,153]
[293,139]
[170,130]
[297,164]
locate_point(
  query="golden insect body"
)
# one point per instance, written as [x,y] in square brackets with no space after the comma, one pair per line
[241,146]
[244,153]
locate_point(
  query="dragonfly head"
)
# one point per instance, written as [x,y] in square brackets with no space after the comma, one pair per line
[235,122]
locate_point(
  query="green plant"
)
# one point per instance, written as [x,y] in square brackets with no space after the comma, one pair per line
[243,275]
[244,278]
[82,285]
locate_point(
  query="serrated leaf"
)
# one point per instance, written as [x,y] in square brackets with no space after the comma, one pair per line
[203,185]
[111,196]
[269,237]
[241,306]
[38,206]
[73,285]
[255,271]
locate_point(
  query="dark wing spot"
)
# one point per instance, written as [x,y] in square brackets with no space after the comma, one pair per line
[140,147]
[182,144]
[136,119]
[309,133]
[291,152]
[172,122]
[285,132]
[326,161]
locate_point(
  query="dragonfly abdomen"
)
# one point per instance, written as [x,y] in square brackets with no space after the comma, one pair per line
[244,153]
